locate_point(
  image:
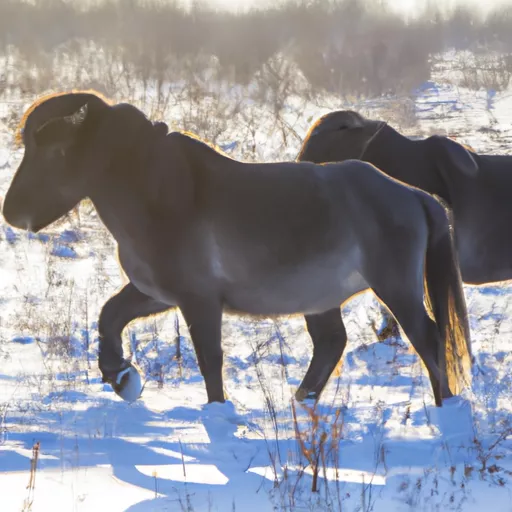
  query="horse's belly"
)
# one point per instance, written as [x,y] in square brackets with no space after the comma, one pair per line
[306,292]
[310,287]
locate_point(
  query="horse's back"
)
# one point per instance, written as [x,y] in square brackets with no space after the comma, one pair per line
[367,189]
[296,212]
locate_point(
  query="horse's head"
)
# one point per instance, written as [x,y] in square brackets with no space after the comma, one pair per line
[49,181]
[339,135]
[70,141]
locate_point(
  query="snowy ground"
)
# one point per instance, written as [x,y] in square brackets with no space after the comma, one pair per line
[376,438]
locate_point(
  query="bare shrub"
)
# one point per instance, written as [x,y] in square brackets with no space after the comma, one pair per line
[348,47]
[483,70]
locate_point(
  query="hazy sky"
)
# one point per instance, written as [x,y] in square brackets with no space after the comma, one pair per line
[406,6]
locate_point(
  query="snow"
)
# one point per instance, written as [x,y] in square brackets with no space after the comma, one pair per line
[381,443]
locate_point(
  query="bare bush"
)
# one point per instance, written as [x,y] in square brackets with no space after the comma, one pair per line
[349,47]
[483,70]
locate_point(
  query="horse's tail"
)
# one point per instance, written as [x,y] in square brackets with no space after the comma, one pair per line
[444,295]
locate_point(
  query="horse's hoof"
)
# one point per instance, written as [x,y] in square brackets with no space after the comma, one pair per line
[128,384]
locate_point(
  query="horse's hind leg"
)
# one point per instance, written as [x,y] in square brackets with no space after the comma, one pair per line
[406,304]
[116,314]
[329,339]
[421,331]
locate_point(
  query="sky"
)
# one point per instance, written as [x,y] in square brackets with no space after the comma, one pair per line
[408,7]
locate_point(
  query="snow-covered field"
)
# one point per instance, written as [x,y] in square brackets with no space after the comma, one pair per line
[375,439]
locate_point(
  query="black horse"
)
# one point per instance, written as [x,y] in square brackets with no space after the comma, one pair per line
[206,233]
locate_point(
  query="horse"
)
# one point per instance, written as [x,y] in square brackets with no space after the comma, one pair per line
[474,186]
[205,233]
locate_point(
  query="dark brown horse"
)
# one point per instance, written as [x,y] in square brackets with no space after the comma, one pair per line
[206,233]
[477,187]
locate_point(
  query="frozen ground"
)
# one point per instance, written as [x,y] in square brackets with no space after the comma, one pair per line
[375,437]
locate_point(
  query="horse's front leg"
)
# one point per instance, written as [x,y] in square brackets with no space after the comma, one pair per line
[204,319]
[116,314]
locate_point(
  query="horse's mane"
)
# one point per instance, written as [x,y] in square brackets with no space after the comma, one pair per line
[18,135]
[467,147]
[205,144]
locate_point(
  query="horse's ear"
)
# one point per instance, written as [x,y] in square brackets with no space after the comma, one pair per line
[61,130]
[78,117]
[449,153]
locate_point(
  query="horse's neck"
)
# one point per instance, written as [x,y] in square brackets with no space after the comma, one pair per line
[113,203]
[162,190]
[387,151]
[138,186]
[121,196]
[195,150]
